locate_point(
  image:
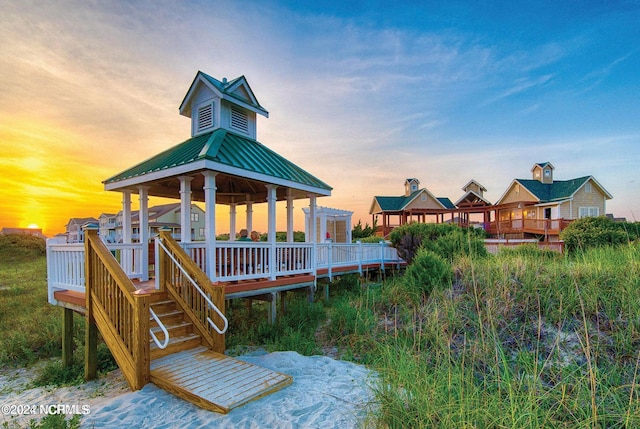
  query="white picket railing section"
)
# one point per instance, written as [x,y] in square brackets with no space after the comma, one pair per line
[65,264]
[235,260]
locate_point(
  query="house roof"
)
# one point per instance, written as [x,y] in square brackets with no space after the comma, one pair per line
[394,204]
[473,197]
[225,149]
[557,191]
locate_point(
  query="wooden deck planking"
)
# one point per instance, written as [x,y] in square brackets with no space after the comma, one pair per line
[214,381]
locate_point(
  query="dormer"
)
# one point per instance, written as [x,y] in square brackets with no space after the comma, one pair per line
[212,104]
[543,172]
[411,186]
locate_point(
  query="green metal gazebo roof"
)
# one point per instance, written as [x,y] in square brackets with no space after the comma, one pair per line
[227,149]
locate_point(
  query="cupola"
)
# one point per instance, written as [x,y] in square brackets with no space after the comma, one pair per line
[543,172]
[411,186]
[213,104]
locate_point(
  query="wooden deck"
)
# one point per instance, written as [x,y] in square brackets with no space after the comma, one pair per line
[214,381]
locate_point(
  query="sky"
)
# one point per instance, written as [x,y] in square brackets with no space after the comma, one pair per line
[362,95]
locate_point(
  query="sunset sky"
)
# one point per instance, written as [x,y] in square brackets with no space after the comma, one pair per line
[361,94]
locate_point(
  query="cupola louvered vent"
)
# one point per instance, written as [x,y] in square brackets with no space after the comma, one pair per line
[205,117]
[239,120]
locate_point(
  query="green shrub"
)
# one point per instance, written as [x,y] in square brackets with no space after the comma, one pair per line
[427,272]
[590,232]
[21,247]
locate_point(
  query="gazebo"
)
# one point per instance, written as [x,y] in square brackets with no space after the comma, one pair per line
[222,163]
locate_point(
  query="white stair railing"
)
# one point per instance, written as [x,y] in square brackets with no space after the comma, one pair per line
[164,331]
[200,291]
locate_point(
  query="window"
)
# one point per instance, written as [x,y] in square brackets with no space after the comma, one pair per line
[201,232]
[205,117]
[195,217]
[239,120]
[588,212]
[587,188]
[423,197]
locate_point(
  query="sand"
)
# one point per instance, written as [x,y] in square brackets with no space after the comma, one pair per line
[326,393]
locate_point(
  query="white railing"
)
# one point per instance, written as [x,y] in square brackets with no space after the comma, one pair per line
[243,260]
[164,344]
[65,264]
[235,260]
[210,303]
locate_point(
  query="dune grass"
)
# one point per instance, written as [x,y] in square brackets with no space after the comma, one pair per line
[525,339]
[31,327]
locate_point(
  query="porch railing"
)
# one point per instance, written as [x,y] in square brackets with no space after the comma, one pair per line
[237,260]
[243,260]
[66,264]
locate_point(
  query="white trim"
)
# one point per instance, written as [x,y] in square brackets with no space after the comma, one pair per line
[205,164]
[516,181]
[420,193]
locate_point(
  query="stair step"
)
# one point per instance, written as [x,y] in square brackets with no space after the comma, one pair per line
[175,329]
[176,344]
[163,306]
[157,295]
[167,317]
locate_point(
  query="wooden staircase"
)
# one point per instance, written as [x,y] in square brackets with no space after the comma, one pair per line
[192,365]
[182,335]
[192,372]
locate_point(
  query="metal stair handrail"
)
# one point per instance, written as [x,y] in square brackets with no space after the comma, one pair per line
[200,291]
[164,331]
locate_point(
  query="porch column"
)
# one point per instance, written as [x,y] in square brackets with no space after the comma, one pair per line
[126,217]
[312,219]
[322,216]
[271,201]
[210,222]
[312,233]
[249,214]
[232,222]
[143,193]
[289,216]
[185,208]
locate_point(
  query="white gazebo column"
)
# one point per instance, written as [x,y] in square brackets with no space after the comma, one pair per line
[143,215]
[312,232]
[271,233]
[249,213]
[185,208]
[289,216]
[312,219]
[232,222]
[126,217]
[210,222]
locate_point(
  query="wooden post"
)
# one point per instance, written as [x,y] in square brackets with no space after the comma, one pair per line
[141,353]
[67,338]
[91,350]
[91,331]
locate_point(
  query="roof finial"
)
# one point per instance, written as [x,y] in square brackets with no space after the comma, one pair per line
[224,80]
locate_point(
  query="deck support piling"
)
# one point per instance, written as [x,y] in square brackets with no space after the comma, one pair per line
[67,338]
[91,350]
